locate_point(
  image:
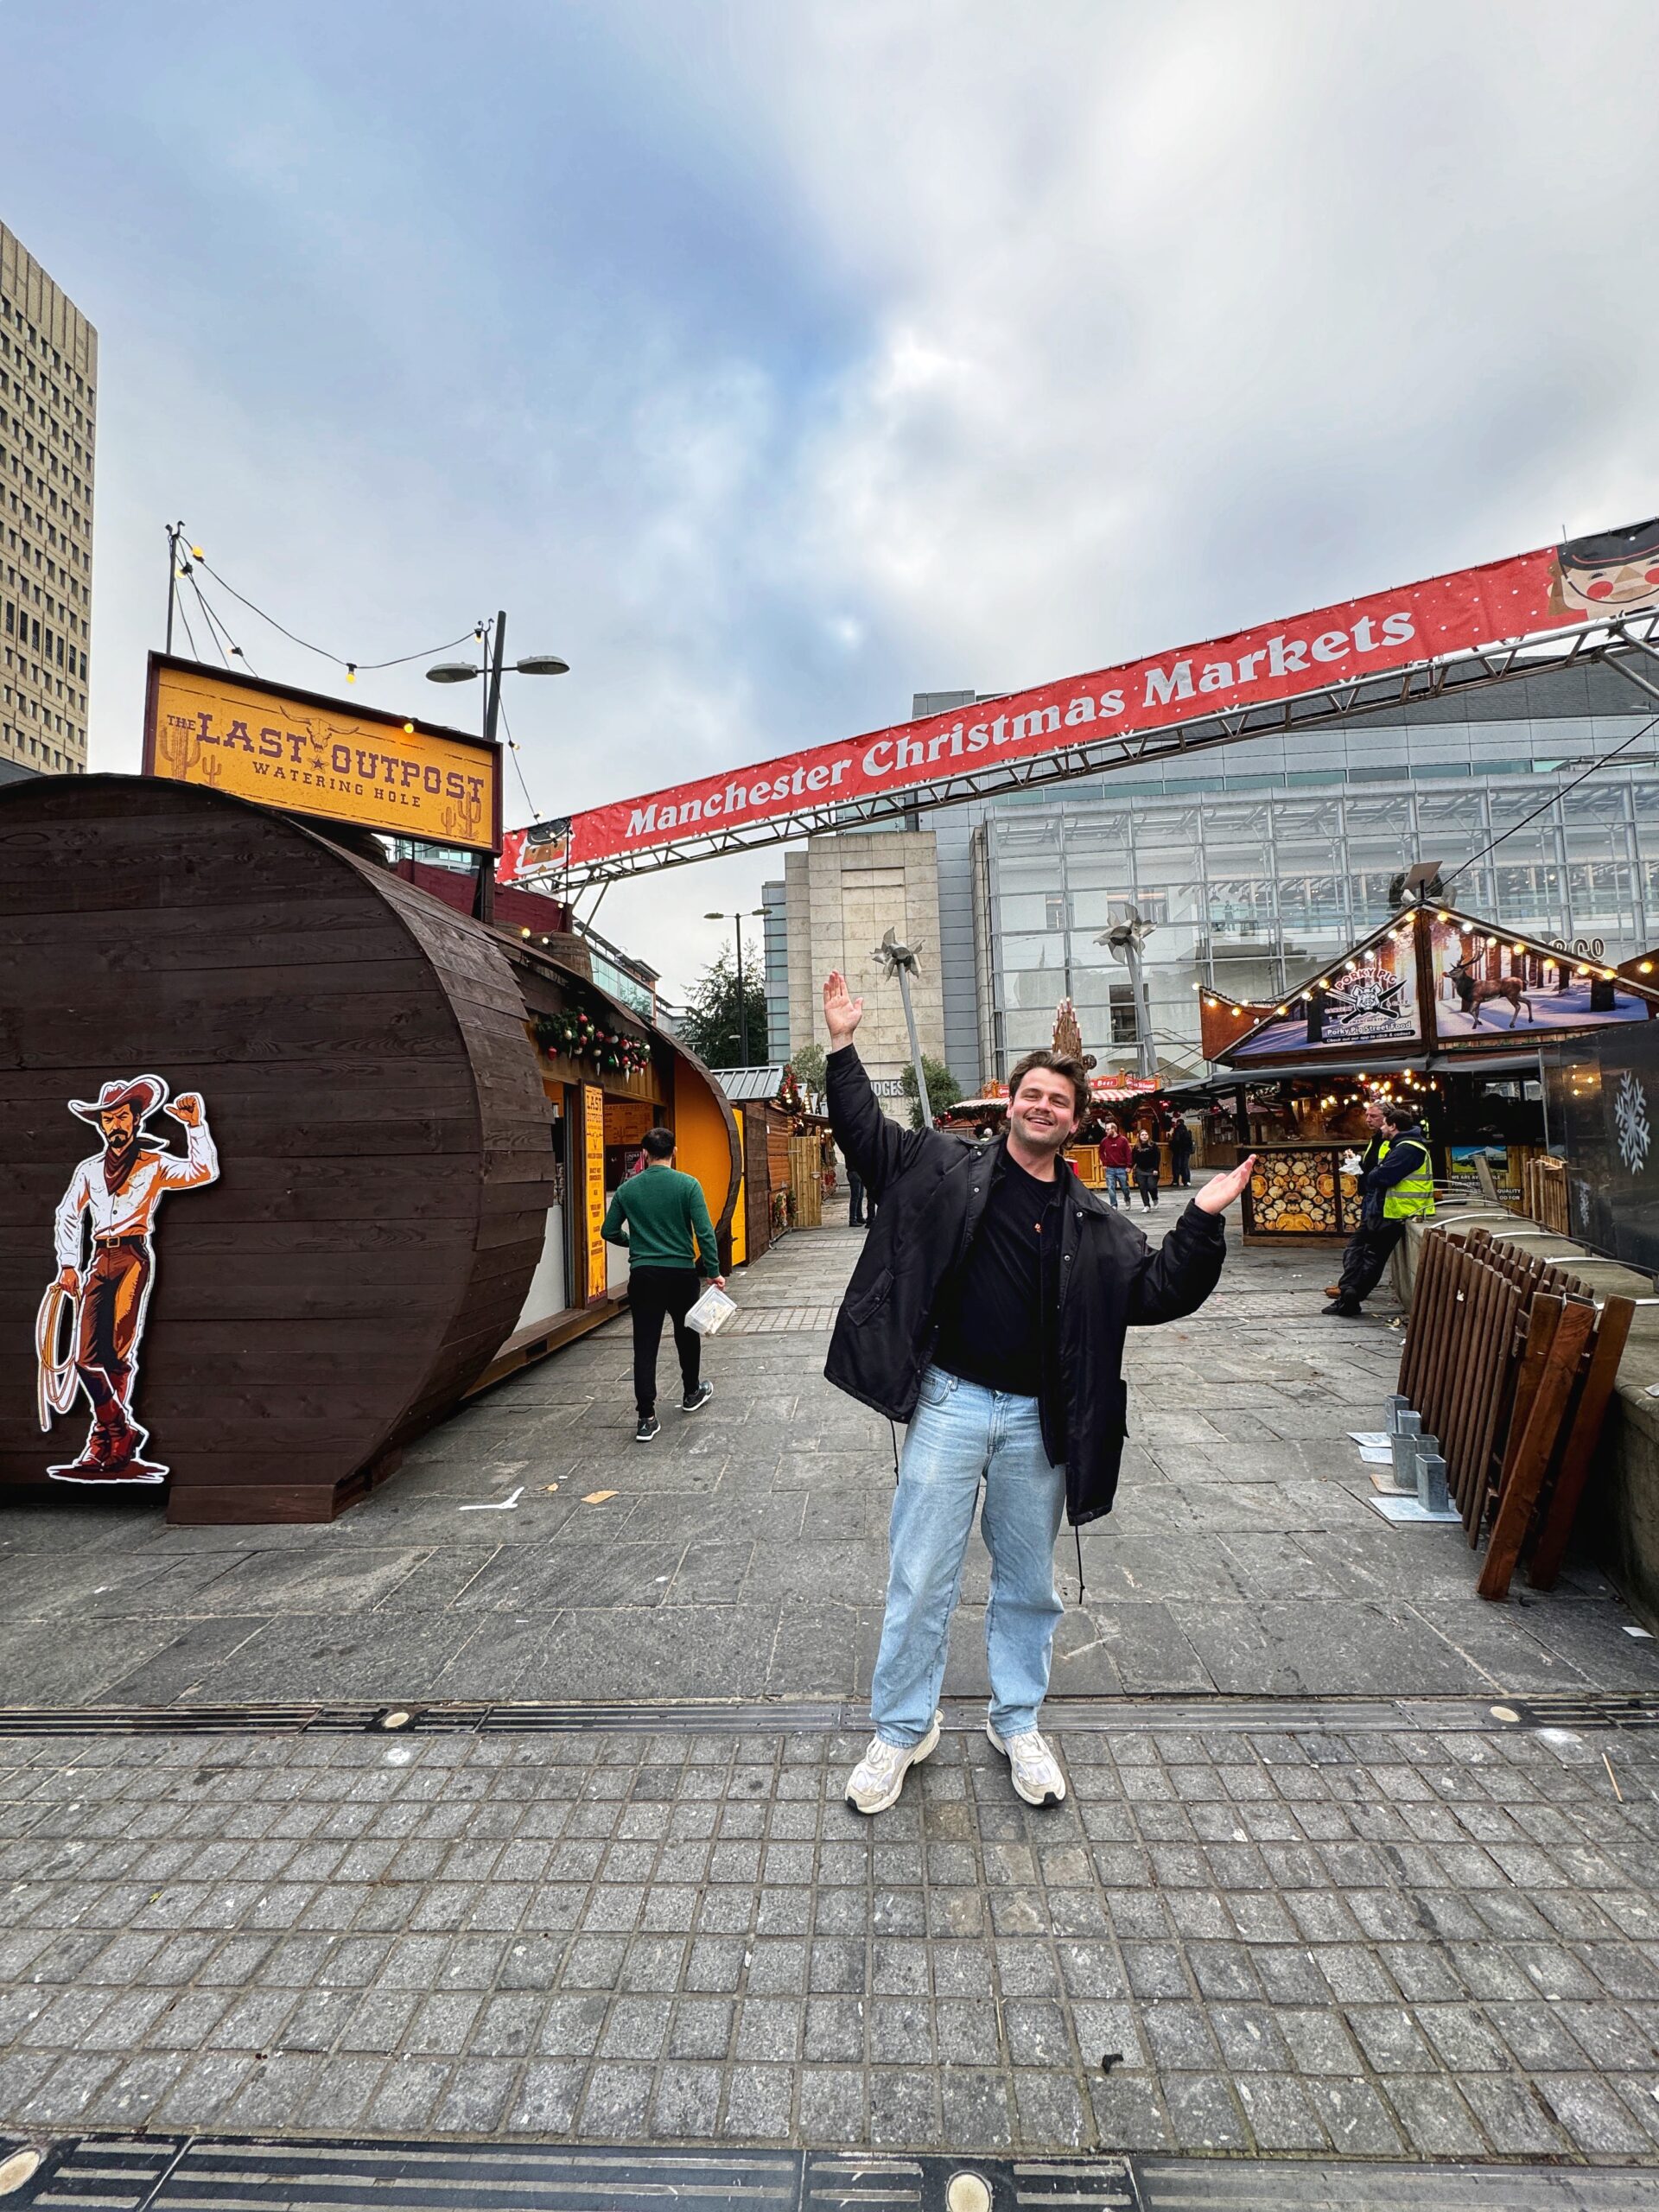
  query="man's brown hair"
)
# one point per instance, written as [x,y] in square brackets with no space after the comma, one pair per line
[1057,1063]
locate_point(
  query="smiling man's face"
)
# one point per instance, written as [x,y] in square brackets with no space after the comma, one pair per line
[1043,1112]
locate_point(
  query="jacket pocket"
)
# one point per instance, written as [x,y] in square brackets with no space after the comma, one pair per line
[870,1302]
[937,1386]
[1117,1406]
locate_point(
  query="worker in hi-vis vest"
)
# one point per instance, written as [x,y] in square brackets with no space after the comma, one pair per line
[1400,1185]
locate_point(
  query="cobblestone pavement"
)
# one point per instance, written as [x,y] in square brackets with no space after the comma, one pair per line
[744,1554]
[1440,1944]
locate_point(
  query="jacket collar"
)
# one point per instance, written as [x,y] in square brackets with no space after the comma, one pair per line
[1068,1186]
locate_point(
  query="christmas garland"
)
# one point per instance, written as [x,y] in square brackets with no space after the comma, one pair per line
[579,1037]
[789,1094]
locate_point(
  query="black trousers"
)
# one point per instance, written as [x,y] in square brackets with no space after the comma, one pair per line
[654,1295]
[855,1198]
[1180,1170]
[1368,1254]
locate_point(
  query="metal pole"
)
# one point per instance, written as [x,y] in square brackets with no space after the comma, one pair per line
[484,886]
[915,1049]
[173,530]
[1146,1052]
[742,1001]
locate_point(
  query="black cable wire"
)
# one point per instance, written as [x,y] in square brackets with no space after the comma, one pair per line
[189,632]
[358,667]
[219,631]
[1651,723]
[513,748]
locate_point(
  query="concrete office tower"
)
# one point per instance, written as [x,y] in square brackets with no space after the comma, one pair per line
[842,894]
[48,398]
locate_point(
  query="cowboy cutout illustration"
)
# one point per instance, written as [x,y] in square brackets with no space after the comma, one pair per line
[118,1191]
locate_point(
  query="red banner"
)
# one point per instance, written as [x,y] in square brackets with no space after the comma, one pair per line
[1614,572]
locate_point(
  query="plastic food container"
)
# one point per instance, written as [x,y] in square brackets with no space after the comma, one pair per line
[711,1313]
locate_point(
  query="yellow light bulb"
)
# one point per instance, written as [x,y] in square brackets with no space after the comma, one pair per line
[196,553]
[409,729]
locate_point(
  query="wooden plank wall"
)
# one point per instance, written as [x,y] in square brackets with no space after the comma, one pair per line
[384,1137]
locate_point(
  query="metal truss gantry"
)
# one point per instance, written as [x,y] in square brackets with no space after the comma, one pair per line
[1622,645]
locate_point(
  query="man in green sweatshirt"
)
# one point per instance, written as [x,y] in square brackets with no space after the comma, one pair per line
[662,1217]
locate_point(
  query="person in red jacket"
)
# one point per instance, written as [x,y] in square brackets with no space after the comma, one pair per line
[1115,1159]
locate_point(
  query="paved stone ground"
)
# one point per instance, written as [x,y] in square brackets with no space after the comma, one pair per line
[744,1554]
[1309,1934]
[1440,1943]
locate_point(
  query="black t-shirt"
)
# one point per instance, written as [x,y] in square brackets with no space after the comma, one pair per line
[991,1307]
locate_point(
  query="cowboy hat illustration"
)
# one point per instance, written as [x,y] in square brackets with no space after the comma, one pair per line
[90,1322]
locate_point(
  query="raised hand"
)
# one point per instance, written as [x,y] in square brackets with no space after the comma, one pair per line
[841,1012]
[187,1108]
[1220,1191]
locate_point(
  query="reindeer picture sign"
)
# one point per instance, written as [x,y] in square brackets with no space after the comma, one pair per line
[1488,983]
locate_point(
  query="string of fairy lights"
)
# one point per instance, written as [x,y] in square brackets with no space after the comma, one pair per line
[1474,942]
[190,564]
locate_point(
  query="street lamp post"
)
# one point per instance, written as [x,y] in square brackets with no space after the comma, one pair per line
[463,672]
[736,917]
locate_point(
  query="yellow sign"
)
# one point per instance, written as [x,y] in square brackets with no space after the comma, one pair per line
[327,757]
[593,1137]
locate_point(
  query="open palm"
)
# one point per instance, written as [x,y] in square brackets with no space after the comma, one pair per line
[841,1012]
[1220,1191]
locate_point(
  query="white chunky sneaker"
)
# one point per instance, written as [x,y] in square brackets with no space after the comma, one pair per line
[875,1782]
[1033,1768]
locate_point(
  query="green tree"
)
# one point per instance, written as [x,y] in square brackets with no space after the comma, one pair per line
[711,1026]
[943,1089]
[808,1064]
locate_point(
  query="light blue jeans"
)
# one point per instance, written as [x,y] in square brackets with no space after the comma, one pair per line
[1117,1179]
[959,1433]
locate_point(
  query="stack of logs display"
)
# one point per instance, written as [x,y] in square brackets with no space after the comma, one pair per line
[1509,1364]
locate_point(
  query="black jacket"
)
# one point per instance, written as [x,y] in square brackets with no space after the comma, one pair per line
[932,1189]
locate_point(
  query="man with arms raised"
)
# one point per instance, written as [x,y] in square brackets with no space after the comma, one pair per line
[988,1311]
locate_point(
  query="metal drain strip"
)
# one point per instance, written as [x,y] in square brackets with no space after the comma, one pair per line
[1217,1713]
[198,2174]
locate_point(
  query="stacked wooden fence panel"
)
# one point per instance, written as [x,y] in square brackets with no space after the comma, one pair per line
[1509,1364]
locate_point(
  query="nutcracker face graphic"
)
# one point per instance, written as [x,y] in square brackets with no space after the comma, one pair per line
[91,1323]
[1613,573]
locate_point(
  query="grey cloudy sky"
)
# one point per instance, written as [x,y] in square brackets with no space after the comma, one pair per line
[773,363]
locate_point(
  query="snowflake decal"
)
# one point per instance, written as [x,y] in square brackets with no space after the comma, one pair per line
[1631,1121]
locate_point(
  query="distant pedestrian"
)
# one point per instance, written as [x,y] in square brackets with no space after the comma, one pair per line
[663,1219]
[1144,1161]
[854,1197]
[988,1312]
[1398,1188]
[1115,1164]
[1356,1258]
[1180,1154]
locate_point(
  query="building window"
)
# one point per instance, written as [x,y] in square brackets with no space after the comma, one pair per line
[1057,910]
[1126,1028]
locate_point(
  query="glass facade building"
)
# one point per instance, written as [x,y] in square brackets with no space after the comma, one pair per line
[1255,862]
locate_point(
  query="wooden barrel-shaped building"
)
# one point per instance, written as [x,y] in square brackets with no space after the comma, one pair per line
[296,1152]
